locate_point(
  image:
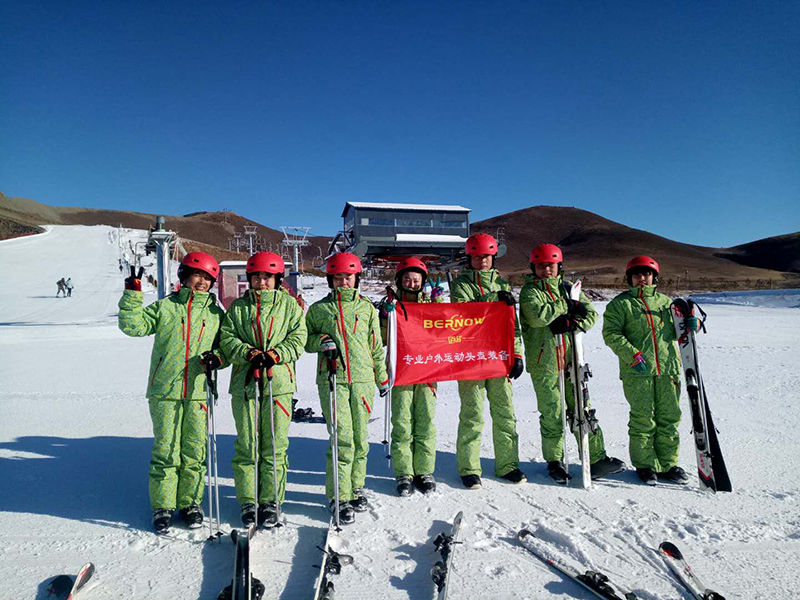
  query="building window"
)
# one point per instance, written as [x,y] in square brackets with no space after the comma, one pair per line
[450,224]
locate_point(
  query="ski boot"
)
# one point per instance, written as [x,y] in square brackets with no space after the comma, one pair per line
[674,475]
[515,476]
[425,483]
[192,516]
[248,514]
[161,520]
[346,513]
[606,466]
[360,502]
[267,515]
[404,486]
[648,476]
[471,482]
[556,470]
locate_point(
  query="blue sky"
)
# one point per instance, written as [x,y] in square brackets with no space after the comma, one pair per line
[681,118]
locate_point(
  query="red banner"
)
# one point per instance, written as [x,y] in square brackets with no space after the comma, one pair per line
[444,342]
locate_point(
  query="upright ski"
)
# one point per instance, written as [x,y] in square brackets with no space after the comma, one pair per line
[675,561]
[244,586]
[582,420]
[595,582]
[711,467]
[332,563]
[445,545]
[64,586]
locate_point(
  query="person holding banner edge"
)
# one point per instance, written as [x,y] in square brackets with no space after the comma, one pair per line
[265,329]
[545,311]
[346,323]
[413,448]
[479,281]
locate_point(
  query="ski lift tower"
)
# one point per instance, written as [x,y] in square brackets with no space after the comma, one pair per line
[250,232]
[162,238]
[294,239]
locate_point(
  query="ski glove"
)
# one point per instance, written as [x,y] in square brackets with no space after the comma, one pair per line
[134,282]
[383,388]
[576,309]
[639,365]
[562,324]
[507,297]
[327,346]
[437,292]
[210,360]
[262,360]
[516,370]
[693,324]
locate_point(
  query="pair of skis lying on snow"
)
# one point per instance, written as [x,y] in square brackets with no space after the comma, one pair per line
[601,586]
[711,469]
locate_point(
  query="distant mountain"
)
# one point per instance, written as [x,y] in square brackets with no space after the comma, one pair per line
[595,249]
[599,248]
[212,229]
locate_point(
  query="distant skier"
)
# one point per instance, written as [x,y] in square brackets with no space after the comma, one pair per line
[638,327]
[413,406]
[265,329]
[346,323]
[480,282]
[68,286]
[545,311]
[62,287]
[186,325]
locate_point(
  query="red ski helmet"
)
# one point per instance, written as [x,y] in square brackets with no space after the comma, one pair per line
[343,262]
[481,243]
[265,262]
[546,253]
[413,264]
[642,261]
[201,262]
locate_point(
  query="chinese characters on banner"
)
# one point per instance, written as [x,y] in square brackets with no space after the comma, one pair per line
[443,342]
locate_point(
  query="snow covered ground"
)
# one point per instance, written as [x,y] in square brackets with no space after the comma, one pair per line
[75,444]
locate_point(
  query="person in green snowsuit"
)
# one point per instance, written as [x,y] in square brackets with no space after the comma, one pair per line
[545,312]
[480,282]
[345,324]
[413,447]
[263,330]
[186,328]
[638,327]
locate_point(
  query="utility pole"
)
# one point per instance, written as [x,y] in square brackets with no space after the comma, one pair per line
[294,239]
[250,232]
[162,238]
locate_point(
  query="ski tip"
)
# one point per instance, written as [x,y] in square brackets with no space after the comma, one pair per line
[524,533]
[670,549]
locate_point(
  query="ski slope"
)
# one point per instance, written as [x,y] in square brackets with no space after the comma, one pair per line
[75,441]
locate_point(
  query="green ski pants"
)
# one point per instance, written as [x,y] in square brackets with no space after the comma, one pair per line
[177,466]
[470,426]
[353,406]
[413,429]
[654,419]
[243,471]
[548,401]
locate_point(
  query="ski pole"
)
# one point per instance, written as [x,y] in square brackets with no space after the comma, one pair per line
[333,429]
[256,453]
[274,459]
[387,428]
[214,447]
[560,360]
[211,461]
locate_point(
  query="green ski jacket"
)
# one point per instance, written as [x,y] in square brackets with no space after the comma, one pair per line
[186,324]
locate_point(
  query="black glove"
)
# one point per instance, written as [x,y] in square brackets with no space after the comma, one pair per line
[261,360]
[516,370]
[210,360]
[134,282]
[562,324]
[507,297]
[576,309]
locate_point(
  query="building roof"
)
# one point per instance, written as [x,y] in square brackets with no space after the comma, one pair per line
[399,206]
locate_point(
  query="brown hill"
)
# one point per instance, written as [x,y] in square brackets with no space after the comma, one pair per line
[211,228]
[781,252]
[597,249]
